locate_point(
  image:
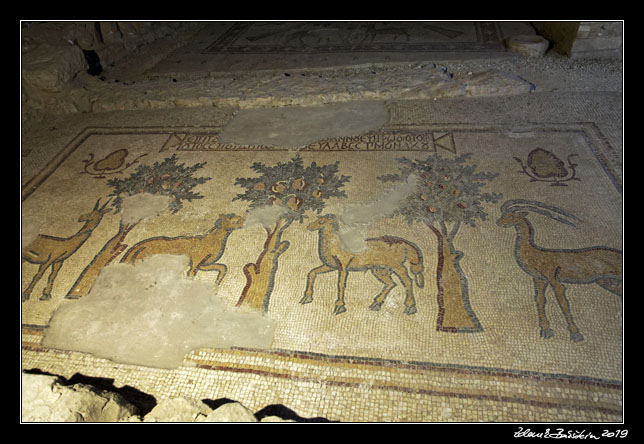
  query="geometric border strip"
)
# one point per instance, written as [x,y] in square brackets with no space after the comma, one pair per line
[441,137]
[451,381]
[586,396]
[488,38]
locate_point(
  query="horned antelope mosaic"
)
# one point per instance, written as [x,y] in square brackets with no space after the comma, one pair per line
[556,267]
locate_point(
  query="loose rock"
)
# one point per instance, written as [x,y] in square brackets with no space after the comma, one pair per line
[49,68]
[275,419]
[46,399]
[529,45]
[178,410]
[231,412]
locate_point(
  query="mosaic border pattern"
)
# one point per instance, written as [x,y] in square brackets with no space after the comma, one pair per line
[385,139]
[574,398]
[488,38]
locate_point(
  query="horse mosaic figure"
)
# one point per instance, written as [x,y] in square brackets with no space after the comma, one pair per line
[382,256]
[204,250]
[554,267]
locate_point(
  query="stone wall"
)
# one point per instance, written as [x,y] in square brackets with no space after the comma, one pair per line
[54,53]
[584,39]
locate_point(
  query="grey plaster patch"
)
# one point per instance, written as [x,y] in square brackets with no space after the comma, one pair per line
[151,314]
[142,205]
[298,126]
[356,218]
[31,226]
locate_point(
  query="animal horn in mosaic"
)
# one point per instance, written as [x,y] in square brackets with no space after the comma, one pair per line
[517,205]
[49,251]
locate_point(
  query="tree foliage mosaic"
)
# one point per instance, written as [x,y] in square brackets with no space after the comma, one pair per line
[167,178]
[448,195]
[448,191]
[293,186]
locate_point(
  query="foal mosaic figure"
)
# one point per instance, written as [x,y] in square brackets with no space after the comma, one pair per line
[383,256]
[593,265]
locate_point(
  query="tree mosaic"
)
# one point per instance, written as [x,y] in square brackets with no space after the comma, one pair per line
[448,196]
[166,178]
[287,190]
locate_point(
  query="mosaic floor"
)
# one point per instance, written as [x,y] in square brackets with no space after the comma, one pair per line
[242,46]
[415,273]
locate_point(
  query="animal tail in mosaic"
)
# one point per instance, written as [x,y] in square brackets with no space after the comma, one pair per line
[414,257]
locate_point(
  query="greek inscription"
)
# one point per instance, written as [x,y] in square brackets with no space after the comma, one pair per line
[425,141]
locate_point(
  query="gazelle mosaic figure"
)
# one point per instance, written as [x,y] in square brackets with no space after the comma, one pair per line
[383,256]
[49,251]
[555,267]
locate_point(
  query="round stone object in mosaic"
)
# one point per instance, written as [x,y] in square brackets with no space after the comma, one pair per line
[528,45]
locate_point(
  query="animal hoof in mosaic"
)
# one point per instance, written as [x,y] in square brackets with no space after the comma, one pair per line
[411,310]
[576,337]
[547,333]
[307,299]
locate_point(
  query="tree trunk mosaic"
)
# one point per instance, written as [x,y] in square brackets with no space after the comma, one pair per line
[260,275]
[455,313]
[291,189]
[448,192]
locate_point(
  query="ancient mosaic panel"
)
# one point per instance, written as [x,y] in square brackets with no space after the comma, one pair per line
[484,282]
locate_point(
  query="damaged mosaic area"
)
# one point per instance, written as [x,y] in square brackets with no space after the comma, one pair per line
[412,273]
